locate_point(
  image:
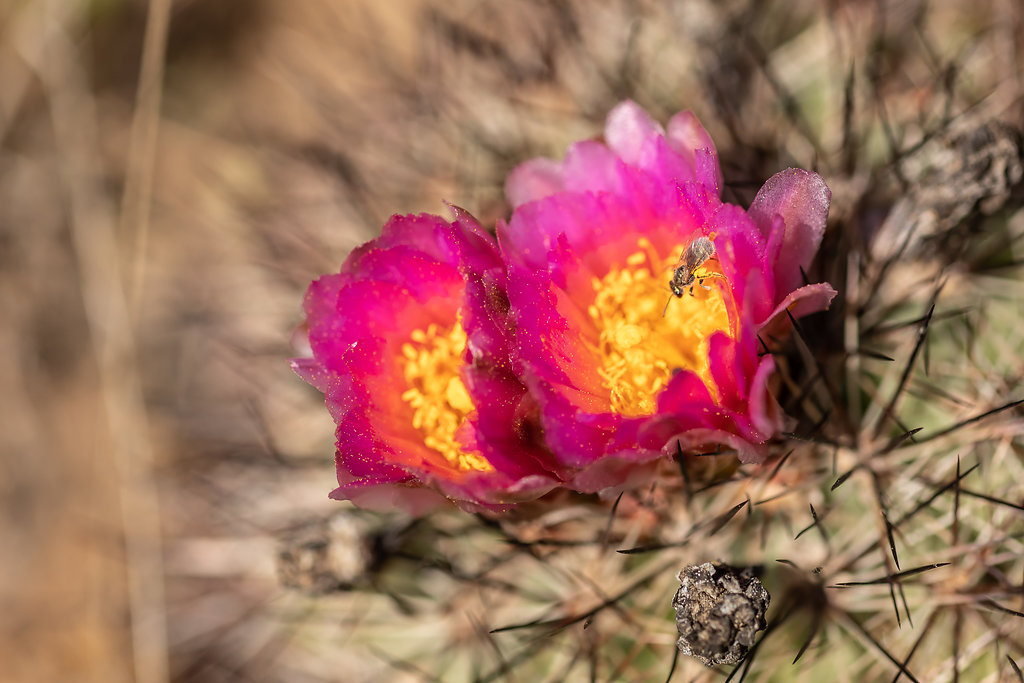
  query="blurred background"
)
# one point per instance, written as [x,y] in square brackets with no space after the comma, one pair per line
[173,173]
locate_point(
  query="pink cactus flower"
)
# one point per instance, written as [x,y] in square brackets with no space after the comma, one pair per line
[410,349]
[623,370]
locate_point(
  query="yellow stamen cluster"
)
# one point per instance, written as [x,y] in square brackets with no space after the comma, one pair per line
[640,349]
[440,402]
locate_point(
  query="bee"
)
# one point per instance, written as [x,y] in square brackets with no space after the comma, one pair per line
[685,274]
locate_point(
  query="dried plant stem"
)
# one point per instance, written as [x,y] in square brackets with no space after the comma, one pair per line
[138,187]
[91,220]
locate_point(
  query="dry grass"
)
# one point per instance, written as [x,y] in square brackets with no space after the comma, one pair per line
[156,241]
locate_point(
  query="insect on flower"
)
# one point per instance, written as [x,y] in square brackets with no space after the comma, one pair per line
[691,261]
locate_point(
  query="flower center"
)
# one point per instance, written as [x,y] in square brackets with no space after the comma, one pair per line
[439,399]
[640,349]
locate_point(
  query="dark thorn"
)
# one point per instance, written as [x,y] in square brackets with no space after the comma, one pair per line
[805,390]
[996,606]
[683,472]
[829,389]
[819,525]
[743,666]
[842,478]
[992,499]
[972,420]
[720,482]
[927,357]
[867,353]
[885,329]
[1016,669]
[675,661]
[926,388]
[747,662]
[909,432]
[921,335]
[810,639]
[807,438]
[849,148]
[561,623]
[778,465]
[956,502]
[482,630]
[923,504]
[724,519]
[611,518]
[895,607]
[917,643]
[812,525]
[649,548]
[864,632]
[897,440]
[894,577]
[906,608]
[892,540]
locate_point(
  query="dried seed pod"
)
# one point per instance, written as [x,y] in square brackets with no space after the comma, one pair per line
[719,610]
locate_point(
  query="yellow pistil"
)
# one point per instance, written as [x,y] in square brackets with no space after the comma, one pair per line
[440,402]
[639,348]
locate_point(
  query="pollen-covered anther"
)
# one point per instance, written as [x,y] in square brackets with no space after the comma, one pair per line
[639,347]
[433,361]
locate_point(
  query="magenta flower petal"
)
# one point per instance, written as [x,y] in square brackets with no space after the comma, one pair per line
[689,139]
[765,412]
[388,495]
[699,439]
[615,473]
[590,166]
[803,301]
[628,130]
[686,135]
[802,199]
[312,372]
[532,180]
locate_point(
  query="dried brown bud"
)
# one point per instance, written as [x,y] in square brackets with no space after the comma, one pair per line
[719,610]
